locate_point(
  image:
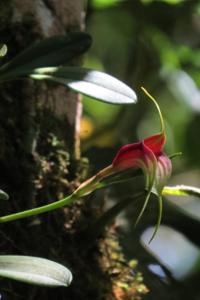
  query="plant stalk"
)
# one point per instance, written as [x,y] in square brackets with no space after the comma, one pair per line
[39,210]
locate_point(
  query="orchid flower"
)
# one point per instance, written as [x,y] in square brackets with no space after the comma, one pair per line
[149,156]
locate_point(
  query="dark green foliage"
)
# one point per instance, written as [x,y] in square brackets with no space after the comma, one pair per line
[51,52]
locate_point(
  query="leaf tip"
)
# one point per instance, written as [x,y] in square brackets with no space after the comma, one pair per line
[3,195]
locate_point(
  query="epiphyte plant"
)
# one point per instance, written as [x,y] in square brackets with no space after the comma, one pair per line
[147,155]
[42,62]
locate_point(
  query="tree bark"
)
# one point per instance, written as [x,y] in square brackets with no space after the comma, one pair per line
[40,156]
[40,162]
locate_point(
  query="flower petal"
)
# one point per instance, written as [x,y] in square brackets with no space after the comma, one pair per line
[137,155]
[163,172]
[127,155]
[155,143]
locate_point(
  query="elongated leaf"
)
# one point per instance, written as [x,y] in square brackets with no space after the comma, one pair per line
[34,270]
[3,50]
[181,190]
[3,195]
[95,84]
[54,51]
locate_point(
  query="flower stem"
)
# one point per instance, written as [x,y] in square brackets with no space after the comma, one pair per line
[39,210]
[84,189]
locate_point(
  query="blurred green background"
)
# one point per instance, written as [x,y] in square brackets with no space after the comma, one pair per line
[155,44]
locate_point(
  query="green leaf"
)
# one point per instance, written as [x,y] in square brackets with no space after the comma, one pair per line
[54,51]
[181,190]
[3,50]
[34,270]
[104,3]
[3,195]
[95,84]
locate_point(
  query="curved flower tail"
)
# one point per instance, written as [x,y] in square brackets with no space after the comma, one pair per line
[143,208]
[160,207]
[158,109]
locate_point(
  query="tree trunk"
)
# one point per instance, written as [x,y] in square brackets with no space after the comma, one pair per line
[40,163]
[39,155]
